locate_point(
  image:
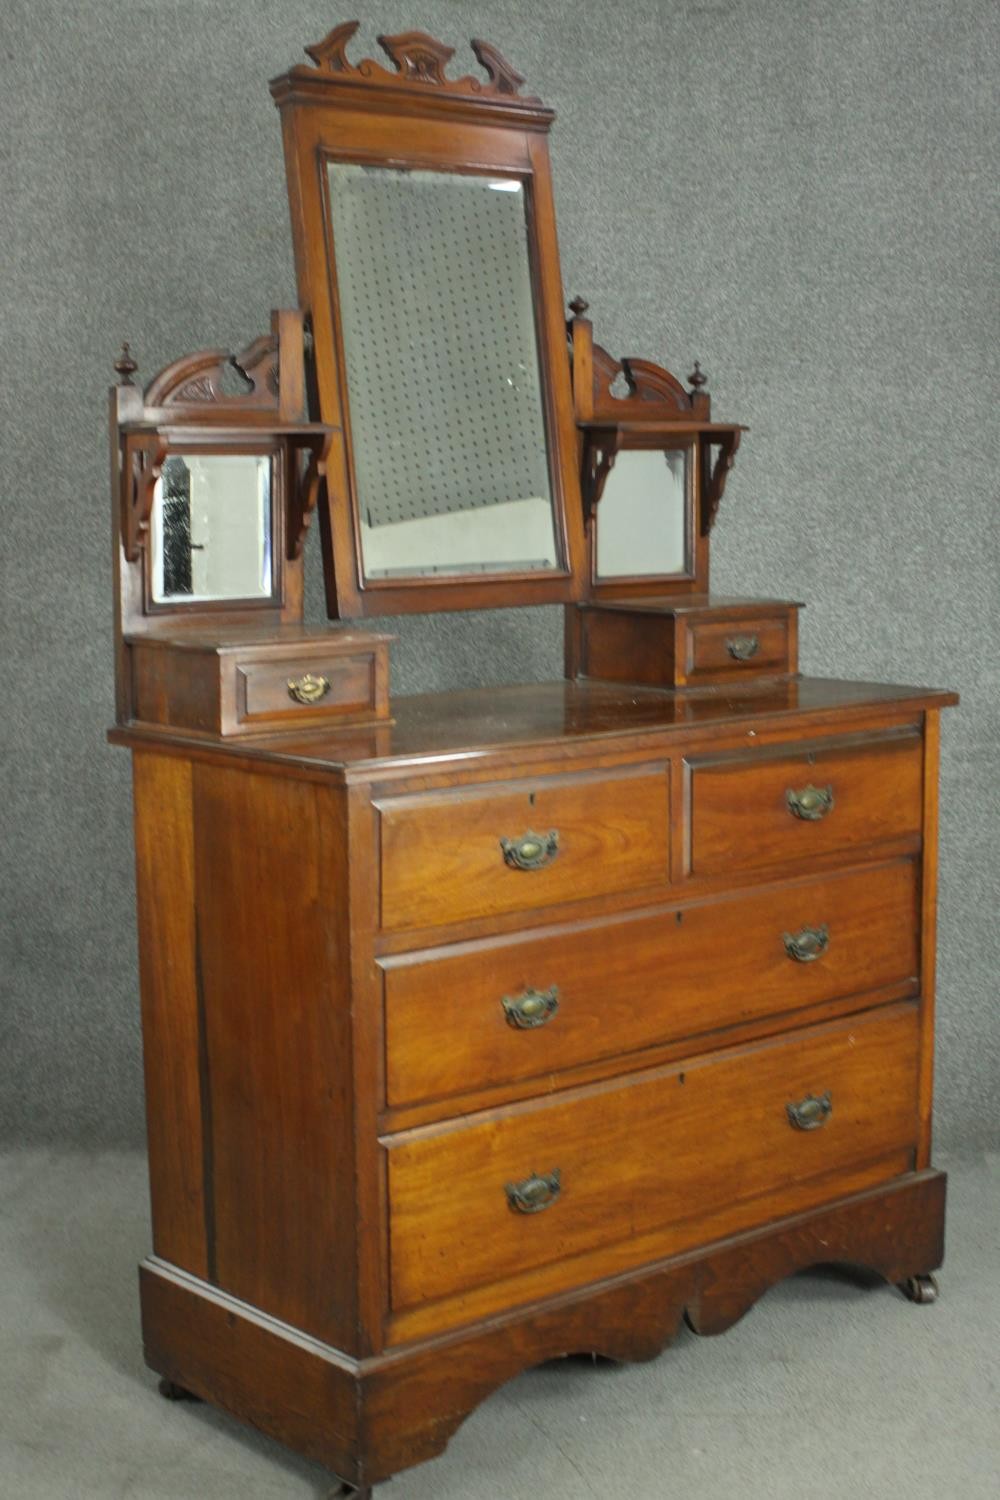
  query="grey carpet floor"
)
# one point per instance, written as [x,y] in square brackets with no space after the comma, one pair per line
[826,1389]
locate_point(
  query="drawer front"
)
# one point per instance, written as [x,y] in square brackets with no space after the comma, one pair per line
[292,689]
[741,648]
[477,1203]
[515,1009]
[750,810]
[476,853]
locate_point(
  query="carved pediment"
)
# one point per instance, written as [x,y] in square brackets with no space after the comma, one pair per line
[418,61]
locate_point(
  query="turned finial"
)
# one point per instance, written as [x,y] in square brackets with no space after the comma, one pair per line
[696,379]
[125,366]
[578,307]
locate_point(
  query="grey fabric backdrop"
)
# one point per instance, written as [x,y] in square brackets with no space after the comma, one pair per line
[800,195]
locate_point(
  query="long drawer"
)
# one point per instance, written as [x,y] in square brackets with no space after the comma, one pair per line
[475,852]
[475,1203]
[756,808]
[503,1010]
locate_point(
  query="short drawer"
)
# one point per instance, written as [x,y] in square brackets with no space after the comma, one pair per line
[758,808]
[300,688]
[749,648]
[465,1018]
[480,1202]
[482,851]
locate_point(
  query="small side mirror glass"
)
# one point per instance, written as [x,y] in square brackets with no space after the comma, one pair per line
[211,531]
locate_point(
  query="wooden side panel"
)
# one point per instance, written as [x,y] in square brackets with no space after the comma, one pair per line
[928,955]
[271,869]
[171,1015]
[622,647]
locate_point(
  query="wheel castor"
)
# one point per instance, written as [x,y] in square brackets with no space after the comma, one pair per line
[919,1288]
[172,1392]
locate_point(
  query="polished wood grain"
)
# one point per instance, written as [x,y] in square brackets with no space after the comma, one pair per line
[630,983]
[173,1020]
[273,959]
[720,1121]
[443,859]
[739,812]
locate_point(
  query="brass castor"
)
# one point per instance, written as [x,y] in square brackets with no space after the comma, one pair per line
[919,1288]
[171,1392]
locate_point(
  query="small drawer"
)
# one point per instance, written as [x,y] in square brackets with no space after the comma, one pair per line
[747,648]
[758,808]
[482,851]
[297,688]
[480,1202]
[466,1018]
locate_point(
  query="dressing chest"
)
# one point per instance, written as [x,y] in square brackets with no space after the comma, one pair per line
[482,1028]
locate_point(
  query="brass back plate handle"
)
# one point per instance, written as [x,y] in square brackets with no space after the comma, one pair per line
[532,851]
[807,944]
[742,647]
[810,803]
[810,1113]
[531,1008]
[535,1193]
[308,689]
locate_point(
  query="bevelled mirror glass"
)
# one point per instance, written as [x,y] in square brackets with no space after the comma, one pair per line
[211,528]
[642,518]
[447,418]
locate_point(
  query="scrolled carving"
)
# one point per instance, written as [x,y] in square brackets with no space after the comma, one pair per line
[418,60]
[305,485]
[714,475]
[142,462]
[199,380]
[648,384]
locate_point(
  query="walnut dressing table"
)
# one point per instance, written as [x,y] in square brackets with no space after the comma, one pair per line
[482,1028]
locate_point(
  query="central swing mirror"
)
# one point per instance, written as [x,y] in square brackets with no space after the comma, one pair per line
[426,254]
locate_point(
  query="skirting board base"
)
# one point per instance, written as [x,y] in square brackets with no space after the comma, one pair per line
[368,1419]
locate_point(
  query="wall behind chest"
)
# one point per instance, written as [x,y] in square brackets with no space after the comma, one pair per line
[803,208]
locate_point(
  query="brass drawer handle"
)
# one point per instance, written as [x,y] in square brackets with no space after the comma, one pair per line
[807,944]
[530,1009]
[810,1113]
[535,1193]
[308,689]
[811,803]
[532,851]
[742,647]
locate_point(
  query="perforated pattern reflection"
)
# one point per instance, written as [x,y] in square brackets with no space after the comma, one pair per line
[439,339]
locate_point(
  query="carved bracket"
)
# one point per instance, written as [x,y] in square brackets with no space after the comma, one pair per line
[714,475]
[419,61]
[601,446]
[141,463]
[304,482]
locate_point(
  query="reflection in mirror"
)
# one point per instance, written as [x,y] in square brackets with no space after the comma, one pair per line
[210,532]
[642,515]
[447,422]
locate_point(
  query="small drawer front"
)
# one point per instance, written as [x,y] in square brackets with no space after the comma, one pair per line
[517,1009]
[477,853]
[477,1203]
[297,688]
[750,810]
[744,648]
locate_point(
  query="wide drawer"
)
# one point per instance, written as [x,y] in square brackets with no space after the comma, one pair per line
[476,1203]
[481,851]
[468,1017]
[757,808]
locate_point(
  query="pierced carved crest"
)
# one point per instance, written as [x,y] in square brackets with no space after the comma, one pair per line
[419,61]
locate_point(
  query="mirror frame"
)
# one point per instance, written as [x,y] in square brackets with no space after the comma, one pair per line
[417,117]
